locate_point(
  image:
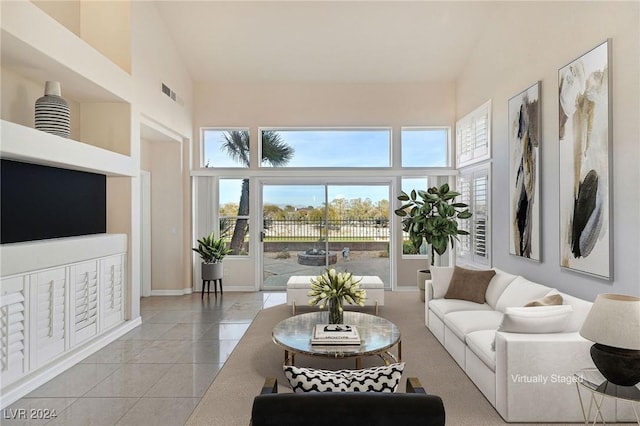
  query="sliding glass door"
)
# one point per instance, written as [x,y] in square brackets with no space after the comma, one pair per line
[309,227]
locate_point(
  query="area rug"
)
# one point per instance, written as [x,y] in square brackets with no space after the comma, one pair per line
[228,400]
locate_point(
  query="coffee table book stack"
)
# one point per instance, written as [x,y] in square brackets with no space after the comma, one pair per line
[335,334]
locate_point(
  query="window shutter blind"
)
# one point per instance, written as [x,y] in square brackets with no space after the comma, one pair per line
[480,189]
[473,186]
[473,136]
[466,241]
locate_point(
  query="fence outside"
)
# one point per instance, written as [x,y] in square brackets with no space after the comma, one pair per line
[333,230]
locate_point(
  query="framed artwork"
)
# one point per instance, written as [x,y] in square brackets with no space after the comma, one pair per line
[584,156]
[524,173]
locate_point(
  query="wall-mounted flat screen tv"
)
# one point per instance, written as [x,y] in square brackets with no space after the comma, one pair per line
[41,202]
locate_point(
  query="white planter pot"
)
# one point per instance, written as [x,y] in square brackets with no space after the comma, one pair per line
[212,271]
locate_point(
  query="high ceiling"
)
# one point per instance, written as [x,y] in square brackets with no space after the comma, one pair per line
[325,41]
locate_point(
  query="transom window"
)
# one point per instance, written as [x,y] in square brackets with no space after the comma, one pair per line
[425,146]
[326,147]
[225,148]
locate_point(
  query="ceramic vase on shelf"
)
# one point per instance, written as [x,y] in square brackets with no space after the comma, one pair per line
[52,111]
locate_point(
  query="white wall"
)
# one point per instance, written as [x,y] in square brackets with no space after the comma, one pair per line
[164,161]
[155,60]
[530,41]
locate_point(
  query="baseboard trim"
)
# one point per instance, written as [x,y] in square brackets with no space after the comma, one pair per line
[37,378]
[181,292]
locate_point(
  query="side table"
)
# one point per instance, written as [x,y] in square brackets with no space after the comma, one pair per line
[593,381]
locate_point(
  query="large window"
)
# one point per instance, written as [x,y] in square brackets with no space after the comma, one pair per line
[233,212]
[326,147]
[225,148]
[425,146]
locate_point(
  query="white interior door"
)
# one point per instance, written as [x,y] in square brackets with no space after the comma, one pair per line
[309,227]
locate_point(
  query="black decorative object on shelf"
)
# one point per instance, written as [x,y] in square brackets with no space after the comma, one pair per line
[619,366]
[52,111]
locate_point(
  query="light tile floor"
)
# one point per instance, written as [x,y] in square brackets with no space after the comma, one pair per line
[154,375]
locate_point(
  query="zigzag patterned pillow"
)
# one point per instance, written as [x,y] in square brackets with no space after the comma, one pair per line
[374,379]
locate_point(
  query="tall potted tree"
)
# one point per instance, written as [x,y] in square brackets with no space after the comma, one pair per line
[212,250]
[432,216]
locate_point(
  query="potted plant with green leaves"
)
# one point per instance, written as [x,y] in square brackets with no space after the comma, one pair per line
[432,216]
[212,250]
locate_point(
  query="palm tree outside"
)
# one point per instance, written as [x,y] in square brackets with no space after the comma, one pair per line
[275,152]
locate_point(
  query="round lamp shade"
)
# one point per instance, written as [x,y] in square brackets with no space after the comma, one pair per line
[614,320]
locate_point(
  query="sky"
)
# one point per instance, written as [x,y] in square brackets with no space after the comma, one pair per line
[336,148]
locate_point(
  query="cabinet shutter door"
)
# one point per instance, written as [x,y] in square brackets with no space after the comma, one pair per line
[51,310]
[112,283]
[13,329]
[85,301]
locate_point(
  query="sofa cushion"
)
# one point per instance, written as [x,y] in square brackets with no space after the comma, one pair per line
[481,342]
[440,279]
[553,298]
[375,379]
[580,310]
[520,292]
[442,307]
[468,284]
[536,319]
[497,285]
[464,322]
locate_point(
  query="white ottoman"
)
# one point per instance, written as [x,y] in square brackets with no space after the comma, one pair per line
[298,288]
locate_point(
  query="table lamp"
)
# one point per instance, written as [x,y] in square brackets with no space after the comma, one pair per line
[613,324]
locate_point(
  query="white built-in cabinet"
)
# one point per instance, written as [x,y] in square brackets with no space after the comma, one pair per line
[63,299]
[46,313]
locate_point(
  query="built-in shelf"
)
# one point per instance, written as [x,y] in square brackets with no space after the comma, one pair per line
[41,49]
[23,143]
[20,258]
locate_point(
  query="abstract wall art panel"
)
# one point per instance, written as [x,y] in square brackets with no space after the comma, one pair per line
[584,155]
[524,173]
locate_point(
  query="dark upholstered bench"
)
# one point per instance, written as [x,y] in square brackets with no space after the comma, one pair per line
[347,408]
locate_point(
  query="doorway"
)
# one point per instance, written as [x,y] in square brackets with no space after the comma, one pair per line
[307,228]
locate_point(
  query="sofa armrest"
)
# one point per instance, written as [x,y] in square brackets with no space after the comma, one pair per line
[535,375]
[428,296]
[270,386]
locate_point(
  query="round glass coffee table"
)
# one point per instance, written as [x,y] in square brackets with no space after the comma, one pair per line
[378,336]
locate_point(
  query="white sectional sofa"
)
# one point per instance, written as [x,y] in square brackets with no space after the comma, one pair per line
[527,376]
